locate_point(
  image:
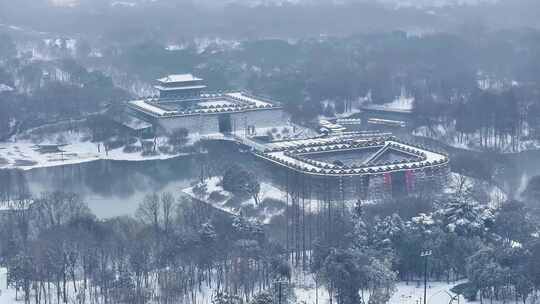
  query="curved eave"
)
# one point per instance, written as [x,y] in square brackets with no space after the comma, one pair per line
[349,174]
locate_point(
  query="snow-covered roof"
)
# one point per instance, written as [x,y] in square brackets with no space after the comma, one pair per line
[248,98]
[132,122]
[150,108]
[162,88]
[216,103]
[290,154]
[179,78]
[205,104]
[390,122]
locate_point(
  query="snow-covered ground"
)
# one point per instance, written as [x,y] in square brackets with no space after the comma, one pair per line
[7,296]
[305,291]
[74,148]
[413,293]
[26,151]
[213,185]
[5,88]
[405,293]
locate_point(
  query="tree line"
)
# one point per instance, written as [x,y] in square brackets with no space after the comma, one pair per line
[495,249]
[173,249]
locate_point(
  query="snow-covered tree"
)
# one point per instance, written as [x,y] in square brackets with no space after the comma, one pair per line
[465,217]
[225,298]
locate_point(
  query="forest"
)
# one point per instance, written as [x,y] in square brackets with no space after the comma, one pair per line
[177,248]
[310,76]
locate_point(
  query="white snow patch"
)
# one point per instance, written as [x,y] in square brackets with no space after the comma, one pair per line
[74,149]
[123,4]
[5,88]
[142,104]
[411,293]
[7,295]
[213,184]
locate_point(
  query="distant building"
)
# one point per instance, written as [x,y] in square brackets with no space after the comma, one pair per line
[488,82]
[133,125]
[396,114]
[183,103]
[11,207]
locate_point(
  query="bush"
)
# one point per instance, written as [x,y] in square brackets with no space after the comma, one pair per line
[217,197]
[241,182]
[532,191]
[405,207]
[178,138]
[131,141]
[329,111]
[262,298]
[474,165]
[273,204]
[468,291]
[147,146]
[166,149]
[225,298]
[61,139]
[235,202]
[132,149]
[114,144]
[149,153]
[269,136]
[200,190]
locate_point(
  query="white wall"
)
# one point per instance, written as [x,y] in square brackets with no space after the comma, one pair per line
[209,123]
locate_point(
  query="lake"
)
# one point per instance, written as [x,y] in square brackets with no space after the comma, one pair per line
[114,188]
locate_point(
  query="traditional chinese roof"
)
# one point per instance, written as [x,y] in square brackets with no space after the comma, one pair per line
[205,104]
[175,78]
[344,156]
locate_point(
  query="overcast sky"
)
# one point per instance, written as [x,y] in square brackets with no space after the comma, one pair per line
[401,2]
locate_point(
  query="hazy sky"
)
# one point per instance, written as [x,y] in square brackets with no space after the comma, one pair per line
[399,2]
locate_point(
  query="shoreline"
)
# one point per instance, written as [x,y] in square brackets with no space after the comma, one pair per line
[28,158]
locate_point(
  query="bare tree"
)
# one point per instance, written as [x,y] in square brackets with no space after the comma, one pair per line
[167,206]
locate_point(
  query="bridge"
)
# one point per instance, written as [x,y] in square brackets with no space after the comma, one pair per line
[254,145]
[262,147]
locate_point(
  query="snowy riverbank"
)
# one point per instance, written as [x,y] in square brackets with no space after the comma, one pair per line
[215,195]
[49,148]
[26,155]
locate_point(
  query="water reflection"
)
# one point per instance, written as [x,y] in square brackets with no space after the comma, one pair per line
[114,188]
